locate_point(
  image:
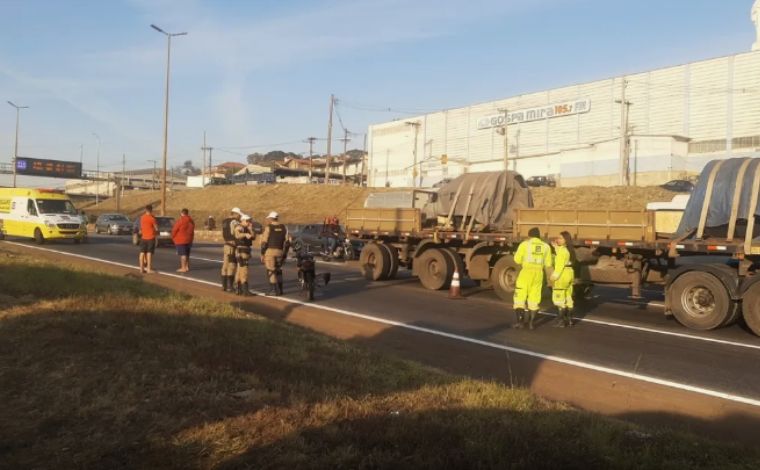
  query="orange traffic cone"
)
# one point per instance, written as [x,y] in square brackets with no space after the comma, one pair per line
[455,291]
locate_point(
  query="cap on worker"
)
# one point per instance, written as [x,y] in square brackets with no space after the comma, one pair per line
[236,210]
[245,217]
[273,215]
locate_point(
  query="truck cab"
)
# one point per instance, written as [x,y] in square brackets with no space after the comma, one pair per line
[41,214]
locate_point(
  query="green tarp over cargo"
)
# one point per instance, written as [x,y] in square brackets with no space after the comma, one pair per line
[491,197]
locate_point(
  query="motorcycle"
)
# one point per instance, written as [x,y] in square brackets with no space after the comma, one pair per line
[344,251]
[308,279]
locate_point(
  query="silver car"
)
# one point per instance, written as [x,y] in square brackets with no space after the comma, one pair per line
[113,224]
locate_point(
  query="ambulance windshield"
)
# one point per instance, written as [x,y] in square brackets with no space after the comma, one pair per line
[56,206]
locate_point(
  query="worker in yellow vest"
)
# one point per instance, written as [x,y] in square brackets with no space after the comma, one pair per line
[533,255]
[563,278]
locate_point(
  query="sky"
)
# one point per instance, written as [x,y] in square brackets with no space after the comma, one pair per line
[257,75]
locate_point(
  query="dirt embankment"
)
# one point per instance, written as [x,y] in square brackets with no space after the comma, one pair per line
[310,204]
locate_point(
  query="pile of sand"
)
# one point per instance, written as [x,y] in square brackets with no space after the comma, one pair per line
[298,203]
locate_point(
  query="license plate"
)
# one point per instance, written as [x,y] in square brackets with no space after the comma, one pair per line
[164,234]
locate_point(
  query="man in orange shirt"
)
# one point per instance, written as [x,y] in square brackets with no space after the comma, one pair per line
[148,230]
[182,236]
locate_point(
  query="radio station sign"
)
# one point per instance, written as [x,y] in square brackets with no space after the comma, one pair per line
[567,108]
[48,168]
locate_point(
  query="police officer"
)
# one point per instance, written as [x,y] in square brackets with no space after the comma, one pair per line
[228,260]
[274,248]
[243,240]
[563,278]
[533,255]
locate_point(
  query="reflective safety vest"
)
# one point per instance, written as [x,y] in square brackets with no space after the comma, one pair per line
[533,253]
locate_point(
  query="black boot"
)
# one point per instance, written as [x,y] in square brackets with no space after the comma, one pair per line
[279,287]
[246,291]
[520,314]
[224,283]
[230,284]
[568,317]
[272,289]
[238,288]
[560,321]
[531,319]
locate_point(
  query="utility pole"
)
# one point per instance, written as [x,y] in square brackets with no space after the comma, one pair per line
[153,175]
[625,177]
[15,146]
[209,149]
[169,37]
[329,141]
[311,141]
[120,185]
[415,171]
[364,162]
[81,154]
[97,172]
[504,130]
[345,140]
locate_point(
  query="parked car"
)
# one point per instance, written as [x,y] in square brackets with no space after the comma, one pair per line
[679,186]
[113,224]
[164,237]
[310,237]
[536,181]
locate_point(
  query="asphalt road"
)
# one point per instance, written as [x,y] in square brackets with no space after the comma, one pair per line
[612,334]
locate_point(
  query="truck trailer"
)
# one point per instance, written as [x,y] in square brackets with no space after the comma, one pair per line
[705,256]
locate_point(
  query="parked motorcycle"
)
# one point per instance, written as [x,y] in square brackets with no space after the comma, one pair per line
[308,279]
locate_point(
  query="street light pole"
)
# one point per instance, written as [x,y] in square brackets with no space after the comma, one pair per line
[153,175]
[15,146]
[169,37]
[97,172]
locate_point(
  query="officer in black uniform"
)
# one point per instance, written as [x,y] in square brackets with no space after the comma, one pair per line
[229,261]
[274,248]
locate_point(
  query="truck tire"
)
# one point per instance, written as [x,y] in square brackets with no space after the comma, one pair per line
[435,268]
[375,262]
[457,260]
[700,301]
[393,258]
[751,308]
[504,277]
[38,238]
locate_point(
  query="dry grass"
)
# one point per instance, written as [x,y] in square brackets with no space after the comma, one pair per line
[595,197]
[310,204]
[99,371]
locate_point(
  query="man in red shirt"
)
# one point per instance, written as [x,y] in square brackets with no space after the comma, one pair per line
[182,236]
[148,231]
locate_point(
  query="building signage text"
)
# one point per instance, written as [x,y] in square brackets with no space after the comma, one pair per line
[567,108]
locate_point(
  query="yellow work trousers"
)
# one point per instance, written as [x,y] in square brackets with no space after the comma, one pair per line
[530,283]
[229,261]
[273,263]
[562,289]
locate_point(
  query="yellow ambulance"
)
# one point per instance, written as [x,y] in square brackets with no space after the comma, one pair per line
[41,214]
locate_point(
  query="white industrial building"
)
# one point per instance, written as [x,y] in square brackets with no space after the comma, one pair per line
[678,118]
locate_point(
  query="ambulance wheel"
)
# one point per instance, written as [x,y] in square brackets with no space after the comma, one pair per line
[38,238]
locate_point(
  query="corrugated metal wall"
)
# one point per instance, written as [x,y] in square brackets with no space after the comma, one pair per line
[716,100]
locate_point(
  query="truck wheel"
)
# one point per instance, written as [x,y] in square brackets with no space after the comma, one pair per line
[700,301]
[393,257]
[504,277]
[38,238]
[457,260]
[751,308]
[375,262]
[435,268]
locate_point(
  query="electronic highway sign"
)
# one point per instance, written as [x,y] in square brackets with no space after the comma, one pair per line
[48,168]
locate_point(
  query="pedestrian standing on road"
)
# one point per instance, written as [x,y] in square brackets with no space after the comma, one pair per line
[183,233]
[533,255]
[274,248]
[244,237]
[228,258]
[148,231]
[563,278]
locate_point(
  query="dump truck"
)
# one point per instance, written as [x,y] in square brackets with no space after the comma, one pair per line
[704,254]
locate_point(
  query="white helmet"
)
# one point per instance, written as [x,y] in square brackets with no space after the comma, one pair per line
[236,210]
[273,215]
[245,217]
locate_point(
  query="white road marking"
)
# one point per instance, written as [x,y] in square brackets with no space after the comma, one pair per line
[466,339]
[207,259]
